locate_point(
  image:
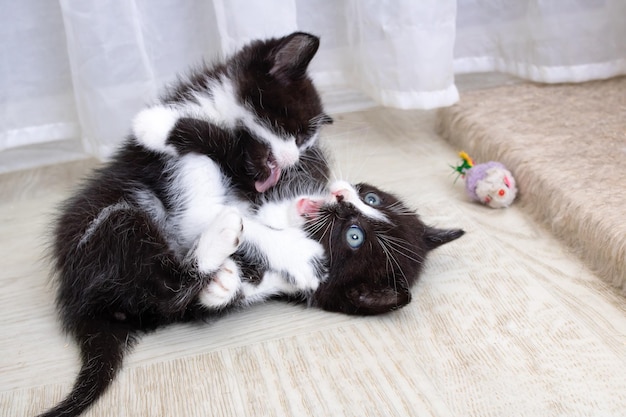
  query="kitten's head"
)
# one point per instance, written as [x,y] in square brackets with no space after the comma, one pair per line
[283,111]
[258,113]
[375,245]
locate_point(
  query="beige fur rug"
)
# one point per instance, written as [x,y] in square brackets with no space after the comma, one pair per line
[566,147]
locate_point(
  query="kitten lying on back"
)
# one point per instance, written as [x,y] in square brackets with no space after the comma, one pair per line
[375,249]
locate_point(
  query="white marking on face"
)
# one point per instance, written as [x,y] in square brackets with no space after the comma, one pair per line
[285,150]
[222,107]
[350,194]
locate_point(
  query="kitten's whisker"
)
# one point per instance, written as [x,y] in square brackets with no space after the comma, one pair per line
[400,246]
[388,265]
[315,226]
[400,209]
[330,227]
[392,259]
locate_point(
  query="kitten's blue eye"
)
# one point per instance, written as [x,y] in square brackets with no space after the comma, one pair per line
[372,199]
[355,237]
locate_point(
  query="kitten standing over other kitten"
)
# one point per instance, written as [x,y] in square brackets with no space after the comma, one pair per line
[135,246]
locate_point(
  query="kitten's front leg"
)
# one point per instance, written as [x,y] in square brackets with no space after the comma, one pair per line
[213,251]
[289,252]
[220,240]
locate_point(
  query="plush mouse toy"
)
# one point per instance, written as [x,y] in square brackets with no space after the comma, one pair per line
[490,183]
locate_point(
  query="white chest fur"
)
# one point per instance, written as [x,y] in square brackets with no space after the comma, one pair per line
[200,190]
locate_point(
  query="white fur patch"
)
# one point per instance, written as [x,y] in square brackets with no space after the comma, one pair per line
[272,284]
[151,204]
[201,189]
[280,214]
[295,255]
[152,126]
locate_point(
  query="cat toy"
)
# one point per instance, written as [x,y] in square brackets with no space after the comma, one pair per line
[489,183]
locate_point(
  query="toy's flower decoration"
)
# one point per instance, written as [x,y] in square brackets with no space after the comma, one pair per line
[466,163]
[465,157]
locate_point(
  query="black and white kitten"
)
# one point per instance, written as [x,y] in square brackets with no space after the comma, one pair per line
[375,249]
[136,245]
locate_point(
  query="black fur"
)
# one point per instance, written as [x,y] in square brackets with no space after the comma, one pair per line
[122,274]
[376,277]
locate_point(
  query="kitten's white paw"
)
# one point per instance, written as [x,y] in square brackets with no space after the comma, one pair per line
[220,240]
[230,227]
[223,287]
[152,126]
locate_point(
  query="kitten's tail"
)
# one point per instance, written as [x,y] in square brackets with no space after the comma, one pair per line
[102,346]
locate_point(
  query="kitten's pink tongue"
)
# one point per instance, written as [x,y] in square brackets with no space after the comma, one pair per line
[272,180]
[307,207]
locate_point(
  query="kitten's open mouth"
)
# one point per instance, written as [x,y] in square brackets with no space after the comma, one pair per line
[272,179]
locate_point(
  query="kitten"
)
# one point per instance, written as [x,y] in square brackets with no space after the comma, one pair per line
[376,247]
[375,250]
[135,246]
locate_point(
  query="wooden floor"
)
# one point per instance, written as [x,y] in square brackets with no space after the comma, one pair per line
[504,321]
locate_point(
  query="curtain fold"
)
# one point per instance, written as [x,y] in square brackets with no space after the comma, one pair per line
[74,72]
[543,41]
[406,50]
[36,96]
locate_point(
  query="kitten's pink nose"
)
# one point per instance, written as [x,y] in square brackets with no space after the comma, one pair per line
[340,194]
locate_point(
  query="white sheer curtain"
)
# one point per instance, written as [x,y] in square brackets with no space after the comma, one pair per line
[75,71]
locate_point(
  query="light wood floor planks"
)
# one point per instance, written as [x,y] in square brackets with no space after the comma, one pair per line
[504,322]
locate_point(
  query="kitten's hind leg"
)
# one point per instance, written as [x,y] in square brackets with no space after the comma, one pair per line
[223,288]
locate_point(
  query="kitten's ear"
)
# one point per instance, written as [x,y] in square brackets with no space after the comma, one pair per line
[370,300]
[293,55]
[434,238]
